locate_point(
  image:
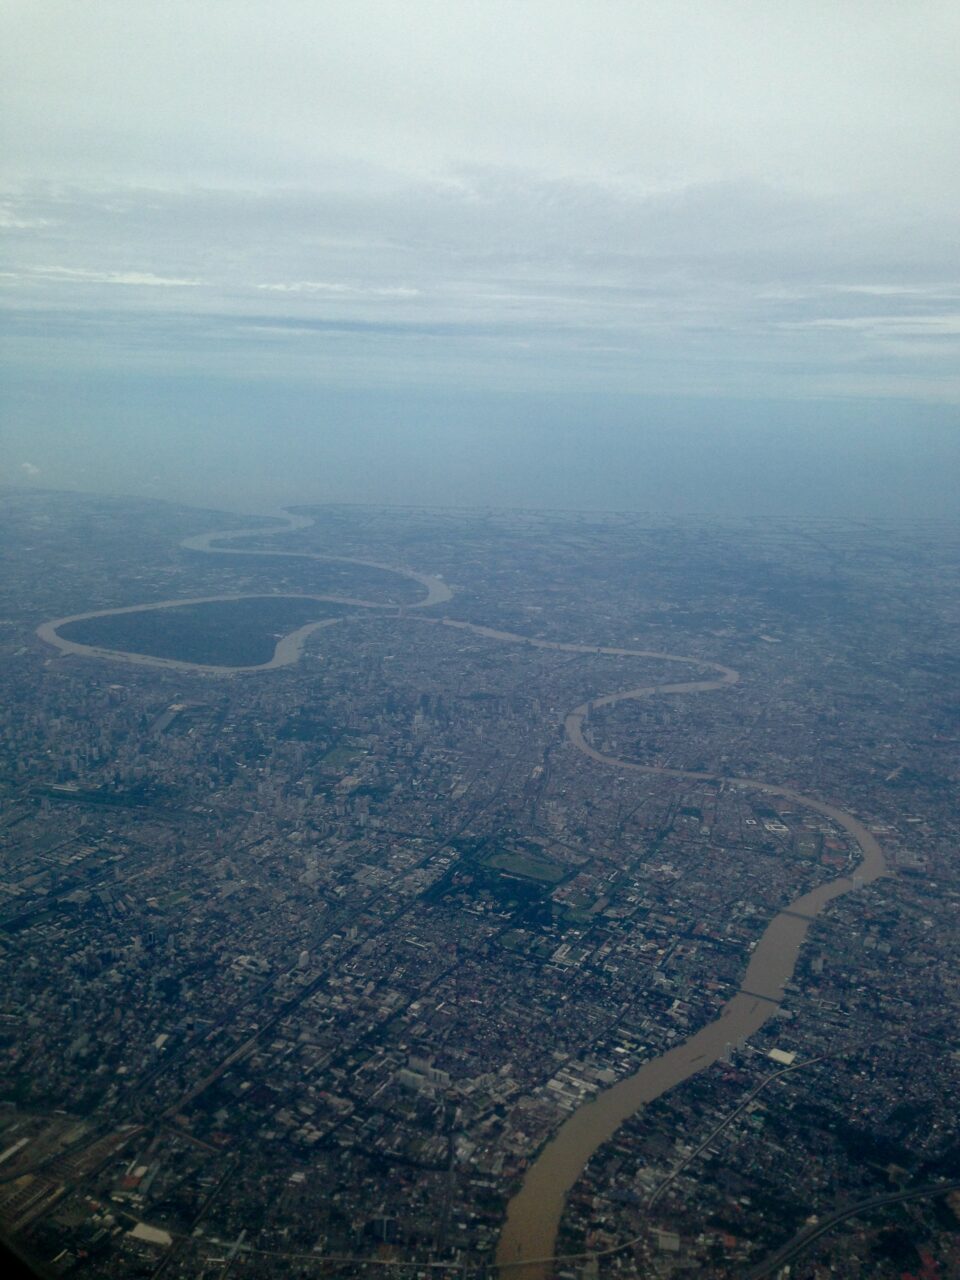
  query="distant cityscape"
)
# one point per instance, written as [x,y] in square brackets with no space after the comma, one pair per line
[330,898]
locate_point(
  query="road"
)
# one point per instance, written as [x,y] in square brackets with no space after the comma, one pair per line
[804,1239]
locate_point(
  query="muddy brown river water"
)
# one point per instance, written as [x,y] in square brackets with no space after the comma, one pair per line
[527,1244]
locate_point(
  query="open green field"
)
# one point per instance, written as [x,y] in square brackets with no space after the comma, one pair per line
[341,756]
[528,866]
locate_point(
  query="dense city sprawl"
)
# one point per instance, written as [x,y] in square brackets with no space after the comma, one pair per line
[301,967]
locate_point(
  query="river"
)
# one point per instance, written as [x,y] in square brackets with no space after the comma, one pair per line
[527,1244]
[288,649]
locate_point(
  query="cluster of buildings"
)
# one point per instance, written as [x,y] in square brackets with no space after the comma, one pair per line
[301,969]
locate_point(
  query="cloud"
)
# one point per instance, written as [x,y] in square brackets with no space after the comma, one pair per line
[830,98]
[729,190]
[926,326]
[359,291]
[943,290]
[83,275]
[29,469]
[10,221]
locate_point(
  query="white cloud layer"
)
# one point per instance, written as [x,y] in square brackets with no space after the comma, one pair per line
[743,197]
[83,275]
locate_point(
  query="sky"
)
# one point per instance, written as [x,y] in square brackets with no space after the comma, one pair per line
[456,251]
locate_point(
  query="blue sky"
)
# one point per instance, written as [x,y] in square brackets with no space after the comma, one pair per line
[675,203]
